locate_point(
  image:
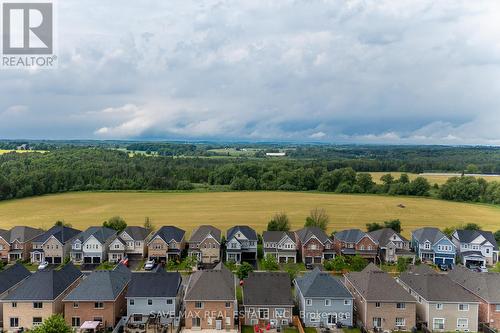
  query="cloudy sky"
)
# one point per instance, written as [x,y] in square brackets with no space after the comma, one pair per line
[376,71]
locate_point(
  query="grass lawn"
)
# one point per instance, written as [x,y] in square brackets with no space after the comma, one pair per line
[31,267]
[247,329]
[351,330]
[496,268]
[239,293]
[310,329]
[106,266]
[290,330]
[226,209]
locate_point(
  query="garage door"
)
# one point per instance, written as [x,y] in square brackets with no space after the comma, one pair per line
[317,260]
[48,259]
[57,260]
[309,260]
[96,260]
[87,260]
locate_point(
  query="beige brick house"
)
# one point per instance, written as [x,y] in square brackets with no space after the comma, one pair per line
[205,244]
[166,244]
[16,243]
[53,245]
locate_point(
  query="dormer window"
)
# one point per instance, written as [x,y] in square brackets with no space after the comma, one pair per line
[427,246]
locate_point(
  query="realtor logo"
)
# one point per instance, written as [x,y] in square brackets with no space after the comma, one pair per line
[28,34]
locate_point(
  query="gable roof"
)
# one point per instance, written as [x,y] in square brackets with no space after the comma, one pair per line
[203,231]
[12,276]
[321,284]
[61,233]
[20,233]
[167,233]
[45,285]
[249,233]
[378,286]
[276,236]
[102,234]
[350,235]
[267,288]
[433,286]
[305,233]
[157,284]
[105,285]
[211,285]
[484,285]
[431,234]
[467,236]
[383,236]
[137,233]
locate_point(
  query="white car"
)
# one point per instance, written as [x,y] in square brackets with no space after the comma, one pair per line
[43,265]
[150,264]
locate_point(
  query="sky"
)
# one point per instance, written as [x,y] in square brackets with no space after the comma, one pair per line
[395,72]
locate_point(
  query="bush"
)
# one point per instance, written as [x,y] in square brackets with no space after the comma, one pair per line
[243,270]
[185,185]
[269,263]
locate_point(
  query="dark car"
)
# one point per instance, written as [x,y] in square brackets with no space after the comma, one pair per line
[443,267]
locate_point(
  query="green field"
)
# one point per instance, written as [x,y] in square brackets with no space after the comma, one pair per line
[432,178]
[225,209]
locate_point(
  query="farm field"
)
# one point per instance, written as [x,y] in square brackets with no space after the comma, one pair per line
[225,209]
[5,151]
[433,178]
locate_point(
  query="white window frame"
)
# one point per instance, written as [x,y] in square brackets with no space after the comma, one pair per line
[314,317]
[196,305]
[328,302]
[439,306]
[400,306]
[266,310]
[465,307]
[434,324]
[276,313]
[403,322]
[347,302]
[466,326]
[309,302]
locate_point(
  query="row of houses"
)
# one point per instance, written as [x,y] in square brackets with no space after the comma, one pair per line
[207,299]
[310,245]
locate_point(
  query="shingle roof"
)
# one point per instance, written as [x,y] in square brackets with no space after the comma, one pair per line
[321,284]
[45,285]
[167,233]
[20,233]
[431,234]
[267,288]
[305,233]
[383,236]
[467,236]
[12,276]
[211,285]
[276,236]
[436,287]
[102,234]
[484,285]
[105,285]
[245,230]
[378,286]
[203,231]
[350,236]
[158,284]
[137,233]
[61,233]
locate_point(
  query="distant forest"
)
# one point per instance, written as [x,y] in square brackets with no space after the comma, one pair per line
[88,165]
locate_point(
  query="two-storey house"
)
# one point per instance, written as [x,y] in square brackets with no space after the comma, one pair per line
[441,303]
[53,245]
[355,242]
[15,244]
[241,244]
[432,245]
[380,303]
[131,242]
[280,244]
[314,245]
[476,247]
[205,244]
[391,245]
[91,246]
[323,300]
[10,278]
[167,244]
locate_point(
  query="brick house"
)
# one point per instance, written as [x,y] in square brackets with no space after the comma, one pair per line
[314,245]
[356,242]
[53,245]
[10,278]
[392,245]
[167,244]
[131,242]
[99,297]
[205,244]
[15,244]
[91,246]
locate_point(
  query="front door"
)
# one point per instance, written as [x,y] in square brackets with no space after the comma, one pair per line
[218,324]
[377,322]
[332,319]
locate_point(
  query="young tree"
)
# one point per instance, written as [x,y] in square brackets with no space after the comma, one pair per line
[269,263]
[403,264]
[61,223]
[243,270]
[336,264]
[279,222]
[148,224]
[357,263]
[394,225]
[318,217]
[53,324]
[292,269]
[497,236]
[116,222]
[373,226]
[472,226]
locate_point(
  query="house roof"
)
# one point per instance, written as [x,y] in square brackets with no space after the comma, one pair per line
[484,285]
[203,231]
[211,285]
[102,234]
[20,233]
[383,236]
[431,234]
[276,236]
[350,236]
[468,236]
[378,286]
[167,233]
[61,233]
[267,288]
[137,233]
[433,286]
[157,284]
[305,233]
[321,284]
[45,285]
[101,285]
[245,230]
[12,276]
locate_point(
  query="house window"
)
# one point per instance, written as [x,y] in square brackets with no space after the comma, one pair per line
[309,302]
[439,306]
[131,302]
[463,307]
[37,321]
[264,313]
[314,317]
[228,304]
[347,302]
[427,246]
[169,301]
[377,304]
[228,322]
[14,322]
[98,319]
[400,305]
[137,317]
[279,313]
[209,321]
[284,322]
[37,305]
[438,323]
[196,322]
[328,302]
[14,304]
[75,322]
[462,323]
[400,322]
[76,305]
[98,305]
[487,251]
[198,305]
[150,302]
[497,308]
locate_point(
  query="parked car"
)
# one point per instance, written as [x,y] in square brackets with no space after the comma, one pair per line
[443,267]
[124,261]
[150,264]
[43,265]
